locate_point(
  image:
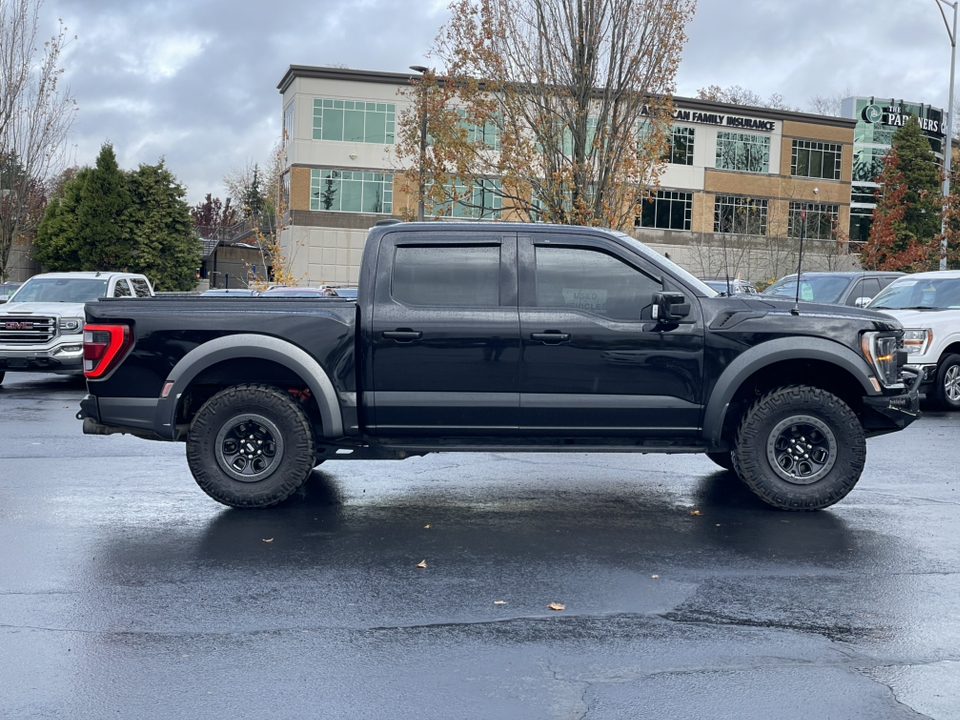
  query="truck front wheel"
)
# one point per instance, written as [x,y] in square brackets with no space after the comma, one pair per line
[250,446]
[948,382]
[800,448]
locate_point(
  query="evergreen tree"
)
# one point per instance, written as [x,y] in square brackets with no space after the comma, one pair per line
[107,219]
[168,249]
[102,240]
[921,174]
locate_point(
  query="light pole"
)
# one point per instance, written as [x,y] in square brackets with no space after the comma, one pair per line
[423,137]
[948,150]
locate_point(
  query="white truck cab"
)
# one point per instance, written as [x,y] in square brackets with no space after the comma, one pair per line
[928,306]
[41,326]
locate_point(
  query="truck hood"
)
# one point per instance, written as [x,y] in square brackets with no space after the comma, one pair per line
[812,313]
[60,309]
[926,318]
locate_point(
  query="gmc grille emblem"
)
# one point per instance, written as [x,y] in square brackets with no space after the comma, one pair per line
[19,326]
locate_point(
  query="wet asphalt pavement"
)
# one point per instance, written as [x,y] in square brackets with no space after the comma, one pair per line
[125,592]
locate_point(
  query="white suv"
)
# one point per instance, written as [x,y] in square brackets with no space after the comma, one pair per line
[928,306]
[41,326]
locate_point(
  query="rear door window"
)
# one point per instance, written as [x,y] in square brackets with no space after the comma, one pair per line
[140,287]
[447,275]
[121,289]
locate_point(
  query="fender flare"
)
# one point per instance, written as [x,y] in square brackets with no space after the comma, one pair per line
[769,353]
[245,345]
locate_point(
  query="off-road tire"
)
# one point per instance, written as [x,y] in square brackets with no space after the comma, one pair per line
[723,459]
[948,383]
[251,446]
[800,448]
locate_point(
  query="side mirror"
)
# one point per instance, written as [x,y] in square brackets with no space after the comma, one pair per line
[670,307]
[862,302]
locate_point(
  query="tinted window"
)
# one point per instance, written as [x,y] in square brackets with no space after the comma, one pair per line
[74,290]
[447,275]
[813,288]
[589,280]
[140,287]
[121,289]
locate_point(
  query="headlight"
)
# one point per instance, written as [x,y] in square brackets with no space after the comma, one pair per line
[881,353]
[69,326]
[916,342]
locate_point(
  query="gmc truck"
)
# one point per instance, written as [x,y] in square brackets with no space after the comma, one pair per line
[501,337]
[41,326]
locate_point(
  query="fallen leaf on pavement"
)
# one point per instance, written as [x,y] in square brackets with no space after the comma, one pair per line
[268,539]
[655,577]
[499,602]
[696,512]
[557,606]
[422,564]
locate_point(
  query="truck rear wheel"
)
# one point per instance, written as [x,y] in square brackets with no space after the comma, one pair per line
[250,446]
[800,448]
[948,383]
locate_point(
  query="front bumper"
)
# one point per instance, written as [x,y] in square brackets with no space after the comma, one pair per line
[61,358]
[889,413]
[928,373]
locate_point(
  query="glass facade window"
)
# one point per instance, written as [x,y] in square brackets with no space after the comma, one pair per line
[821,220]
[354,121]
[681,146]
[667,210]
[488,135]
[743,151]
[483,201]
[351,191]
[816,160]
[288,117]
[740,215]
[868,164]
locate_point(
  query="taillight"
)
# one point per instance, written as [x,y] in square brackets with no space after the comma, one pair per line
[104,346]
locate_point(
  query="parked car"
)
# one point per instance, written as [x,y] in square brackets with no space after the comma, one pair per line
[41,326]
[928,306]
[854,288]
[730,286]
[508,337]
[7,289]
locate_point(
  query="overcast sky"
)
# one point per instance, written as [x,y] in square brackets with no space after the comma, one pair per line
[195,81]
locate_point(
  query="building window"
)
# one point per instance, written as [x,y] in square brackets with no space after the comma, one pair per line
[667,210]
[351,191]
[487,136]
[483,201]
[740,215]
[288,118]
[681,146]
[743,151]
[354,121]
[821,220]
[816,160]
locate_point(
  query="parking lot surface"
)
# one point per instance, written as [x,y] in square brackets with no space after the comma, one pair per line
[422,588]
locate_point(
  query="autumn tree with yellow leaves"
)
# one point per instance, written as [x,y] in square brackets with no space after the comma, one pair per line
[553,110]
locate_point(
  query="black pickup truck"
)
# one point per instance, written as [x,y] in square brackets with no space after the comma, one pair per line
[505,337]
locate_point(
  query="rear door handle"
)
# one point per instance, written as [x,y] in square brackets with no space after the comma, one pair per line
[403,335]
[550,337]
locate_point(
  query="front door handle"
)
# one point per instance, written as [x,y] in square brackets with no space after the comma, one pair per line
[550,337]
[403,335]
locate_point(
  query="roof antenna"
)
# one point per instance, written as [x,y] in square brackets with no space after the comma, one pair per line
[795,310]
[726,270]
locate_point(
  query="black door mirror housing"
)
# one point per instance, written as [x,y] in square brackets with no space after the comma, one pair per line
[670,307]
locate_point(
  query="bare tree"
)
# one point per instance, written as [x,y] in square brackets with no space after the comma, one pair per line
[35,117]
[828,104]
[556,110]
[737,95]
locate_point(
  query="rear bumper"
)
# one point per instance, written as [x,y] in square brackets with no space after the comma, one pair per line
[108,416]
[889,413]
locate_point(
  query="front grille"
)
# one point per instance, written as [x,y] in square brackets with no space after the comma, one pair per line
[27,329]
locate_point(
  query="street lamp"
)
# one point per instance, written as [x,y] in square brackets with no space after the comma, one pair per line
[948,150]
[423,137]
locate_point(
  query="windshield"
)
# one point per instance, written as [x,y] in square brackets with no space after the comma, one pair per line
[71,290]
[813,288]
[919,294]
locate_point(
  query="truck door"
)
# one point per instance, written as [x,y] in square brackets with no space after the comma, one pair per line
[445,336]
[594,361]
